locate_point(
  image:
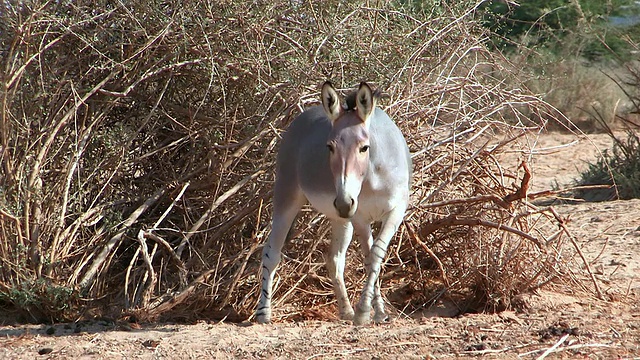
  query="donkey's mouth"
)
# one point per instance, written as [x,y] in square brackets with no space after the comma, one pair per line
[346,208]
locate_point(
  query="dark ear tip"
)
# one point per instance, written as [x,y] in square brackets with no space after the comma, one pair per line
[365,87]
[327,83]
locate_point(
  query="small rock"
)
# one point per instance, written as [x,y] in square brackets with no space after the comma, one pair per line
[45,351]
[151,344]
[476,347]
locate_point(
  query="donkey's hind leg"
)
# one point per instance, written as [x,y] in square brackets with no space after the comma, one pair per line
[283,215]
[341,232]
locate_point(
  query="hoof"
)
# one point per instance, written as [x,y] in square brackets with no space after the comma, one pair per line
[347,315]
[381,318]
[361,318]
[263,319]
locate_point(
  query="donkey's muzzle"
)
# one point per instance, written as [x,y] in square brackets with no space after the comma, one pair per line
[346,207]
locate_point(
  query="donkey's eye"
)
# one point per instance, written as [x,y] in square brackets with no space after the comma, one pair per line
[330,147]
[364,148]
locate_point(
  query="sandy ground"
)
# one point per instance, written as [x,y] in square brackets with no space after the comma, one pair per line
[554,325]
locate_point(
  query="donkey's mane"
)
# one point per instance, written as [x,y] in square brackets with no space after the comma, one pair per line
[350,99]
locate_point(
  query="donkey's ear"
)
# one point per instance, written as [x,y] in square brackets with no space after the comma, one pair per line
[365,102]
[331,101]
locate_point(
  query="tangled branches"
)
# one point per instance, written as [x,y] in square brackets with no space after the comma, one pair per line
[138,142]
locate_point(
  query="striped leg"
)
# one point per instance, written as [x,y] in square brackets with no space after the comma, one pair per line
[363,231]
[342,232]
[376,256]
[271,255]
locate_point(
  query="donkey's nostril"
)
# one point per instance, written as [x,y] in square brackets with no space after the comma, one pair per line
[344,206]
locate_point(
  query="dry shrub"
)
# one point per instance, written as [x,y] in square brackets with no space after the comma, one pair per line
[619,166]
[138,142]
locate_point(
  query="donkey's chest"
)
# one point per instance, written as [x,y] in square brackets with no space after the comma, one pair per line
[372,205]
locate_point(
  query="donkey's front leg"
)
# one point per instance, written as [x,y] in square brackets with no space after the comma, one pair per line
[363,232]
[376,256]
[342,232]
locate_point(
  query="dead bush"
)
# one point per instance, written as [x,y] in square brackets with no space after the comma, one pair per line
[138,142]
[619,166]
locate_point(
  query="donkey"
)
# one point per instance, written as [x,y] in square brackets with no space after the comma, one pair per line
[352,164]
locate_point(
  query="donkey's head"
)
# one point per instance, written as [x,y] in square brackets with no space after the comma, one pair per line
[348,144]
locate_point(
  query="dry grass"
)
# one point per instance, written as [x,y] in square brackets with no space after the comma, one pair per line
[619,166]
[138,143]
[579,89]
